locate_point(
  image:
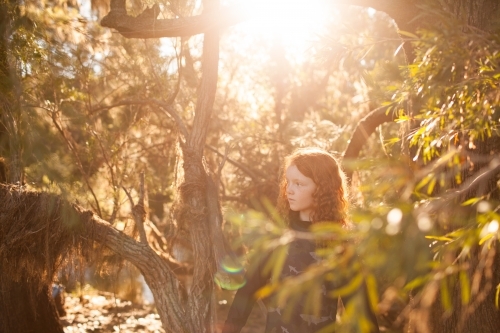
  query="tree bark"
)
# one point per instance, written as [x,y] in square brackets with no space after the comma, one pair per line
[160,278]
[194,202]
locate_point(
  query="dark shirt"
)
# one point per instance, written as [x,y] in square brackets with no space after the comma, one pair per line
[301,254]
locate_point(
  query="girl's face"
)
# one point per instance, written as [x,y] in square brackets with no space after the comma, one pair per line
[299,192]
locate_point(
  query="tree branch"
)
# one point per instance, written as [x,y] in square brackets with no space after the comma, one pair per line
[362,132]
[145,25]
[73,146]
[397,9]
[481,183]
[166,106]
[158,275]
[139,212]
[237,164]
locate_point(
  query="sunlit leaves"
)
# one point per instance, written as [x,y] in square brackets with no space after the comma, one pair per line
[454,83]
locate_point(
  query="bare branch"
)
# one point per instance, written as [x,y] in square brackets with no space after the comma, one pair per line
[172,97]
[242,167]
[219,170]
[362,132]
[166,106]
[116,203]
[146,25]
[139,212]
[72,145]
[129,196]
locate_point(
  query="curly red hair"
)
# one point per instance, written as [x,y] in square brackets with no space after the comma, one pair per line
[330,197]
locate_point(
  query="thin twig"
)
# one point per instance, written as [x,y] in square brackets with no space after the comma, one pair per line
[165,106]
[239,165]
[483,176]
[219,170]
[139,212]
[72,147]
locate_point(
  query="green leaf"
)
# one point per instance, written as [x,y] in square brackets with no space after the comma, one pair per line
[485,238]
[407,34]
[371,285]
[424,181]
[392,141]
[464,287]
[445,295]
[432,184]
[440,238]
[497,295]
[402,118]
[266,290]
[471,201]
[415,283]
[348,289]
[277,261]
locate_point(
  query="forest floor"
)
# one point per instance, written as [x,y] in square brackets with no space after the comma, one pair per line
[102,312]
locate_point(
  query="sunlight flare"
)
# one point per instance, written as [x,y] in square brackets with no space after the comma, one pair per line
[295,23]
[290,18]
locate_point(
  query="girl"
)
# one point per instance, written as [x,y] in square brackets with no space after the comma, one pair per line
[312,189]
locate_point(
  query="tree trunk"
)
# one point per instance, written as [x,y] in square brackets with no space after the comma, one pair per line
[477,13]
[24,309]
[195,211]
[10,108]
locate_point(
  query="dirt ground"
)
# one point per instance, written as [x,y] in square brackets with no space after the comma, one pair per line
[102,312]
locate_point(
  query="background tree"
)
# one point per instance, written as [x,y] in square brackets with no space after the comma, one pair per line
[103,108]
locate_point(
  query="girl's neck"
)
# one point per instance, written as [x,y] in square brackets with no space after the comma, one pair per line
[305,216]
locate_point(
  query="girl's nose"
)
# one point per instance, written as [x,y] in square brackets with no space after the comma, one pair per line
[289,189]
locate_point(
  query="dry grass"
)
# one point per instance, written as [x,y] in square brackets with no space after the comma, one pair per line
[38,231]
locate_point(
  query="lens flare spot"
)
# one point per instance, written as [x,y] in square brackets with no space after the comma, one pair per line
[424,223]
[392,229]
[377,223]
[231,266]
[394,217]
[229,281]
[493,226]
[483,207]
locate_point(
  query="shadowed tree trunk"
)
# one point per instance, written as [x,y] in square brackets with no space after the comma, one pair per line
[25,307]
[10,109]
